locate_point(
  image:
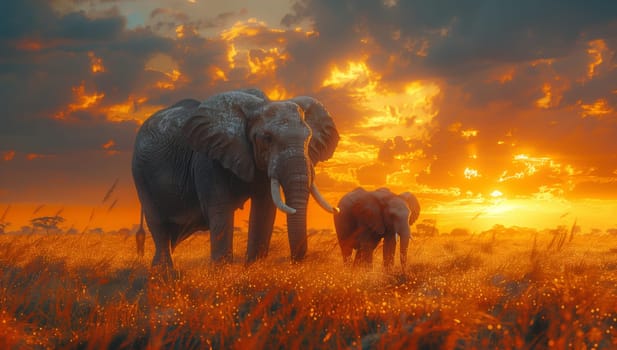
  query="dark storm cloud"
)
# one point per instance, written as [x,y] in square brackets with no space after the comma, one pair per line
[462,37]
[37,18]
[39,82]
[77,26]
[601,87]
[166,19]
[515,31]
[22,18]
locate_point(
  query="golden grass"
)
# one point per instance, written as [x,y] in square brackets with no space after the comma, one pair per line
[92,291]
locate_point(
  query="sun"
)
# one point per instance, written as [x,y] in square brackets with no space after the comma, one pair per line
[496,194]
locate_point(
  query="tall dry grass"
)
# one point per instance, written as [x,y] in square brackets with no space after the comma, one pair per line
[93,292]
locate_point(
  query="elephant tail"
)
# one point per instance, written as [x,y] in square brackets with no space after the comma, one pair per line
[141,232]
[140,235]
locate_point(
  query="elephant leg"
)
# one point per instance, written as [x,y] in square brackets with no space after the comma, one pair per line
[364,257]
[162,262]
[365,247]
[261,221]
[389,247]
[346,251]
[221,234]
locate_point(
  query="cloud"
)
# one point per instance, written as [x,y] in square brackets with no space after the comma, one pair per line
[440,98]
[53,91]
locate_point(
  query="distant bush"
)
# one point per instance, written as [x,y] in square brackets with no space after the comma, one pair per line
[427,228]
[459,232]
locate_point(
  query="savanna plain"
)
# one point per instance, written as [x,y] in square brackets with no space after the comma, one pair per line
[512,289]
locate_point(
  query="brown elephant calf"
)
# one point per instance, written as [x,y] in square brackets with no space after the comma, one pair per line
[367,217]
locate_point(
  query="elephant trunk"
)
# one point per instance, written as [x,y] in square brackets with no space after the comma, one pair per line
[295,179]
[296,194]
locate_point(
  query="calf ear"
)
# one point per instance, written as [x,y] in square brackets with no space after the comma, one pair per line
[217,128]
[325,136]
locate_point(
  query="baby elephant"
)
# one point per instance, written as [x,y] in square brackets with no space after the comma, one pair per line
[366,217]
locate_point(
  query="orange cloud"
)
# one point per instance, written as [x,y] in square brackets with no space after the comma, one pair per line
[29,45]
[217,74]
[83,101]
[96,63]
[33,156]
[545,101]
[248,28]
[264,62]
[353,71]
[503,75]
[596,50]
[109,148]
[134,108]
[8,155]
[169,84]
[277,92]
[247,50]
[164,64]
[182,31]
[599,108]
[109,144]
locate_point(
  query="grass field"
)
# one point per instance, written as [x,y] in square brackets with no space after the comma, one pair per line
[517,291]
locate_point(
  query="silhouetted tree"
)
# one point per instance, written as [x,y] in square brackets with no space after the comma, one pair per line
[459,232]
[427,227]
[3,226]
[97,231]
[47,223]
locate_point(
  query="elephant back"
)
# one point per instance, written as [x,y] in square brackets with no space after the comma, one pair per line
[170,120]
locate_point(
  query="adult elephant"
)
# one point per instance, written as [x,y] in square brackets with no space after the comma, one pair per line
[195,163]
[367,217]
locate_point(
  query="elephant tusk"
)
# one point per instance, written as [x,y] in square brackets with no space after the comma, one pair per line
[275,190]
[321,201]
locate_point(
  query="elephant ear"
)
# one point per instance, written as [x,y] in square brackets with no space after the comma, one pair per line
[217,129]
[325,136]
[414,206]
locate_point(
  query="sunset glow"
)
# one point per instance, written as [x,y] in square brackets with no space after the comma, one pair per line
[516,125]
[180,174]
[352,72]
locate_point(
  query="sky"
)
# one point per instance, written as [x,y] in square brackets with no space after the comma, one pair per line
[491,112]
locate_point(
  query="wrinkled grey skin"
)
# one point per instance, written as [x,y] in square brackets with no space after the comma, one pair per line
[195,163]
[367,217]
